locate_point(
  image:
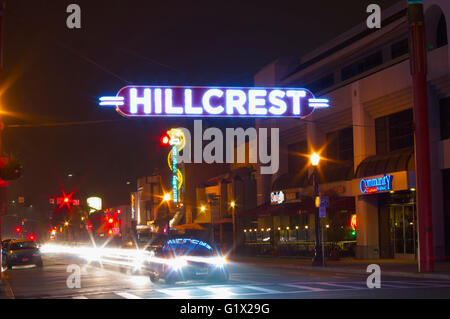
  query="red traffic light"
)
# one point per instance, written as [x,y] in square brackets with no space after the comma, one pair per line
[66,199]
[18,229]
[32,237]
[165,140]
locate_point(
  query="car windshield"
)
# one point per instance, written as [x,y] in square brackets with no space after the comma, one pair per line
[23,245]
[189,247]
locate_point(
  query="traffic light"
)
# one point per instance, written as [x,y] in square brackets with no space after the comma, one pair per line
[353,224]
[18,229]
[10,169]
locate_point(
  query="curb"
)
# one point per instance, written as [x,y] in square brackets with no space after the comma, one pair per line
[356,271]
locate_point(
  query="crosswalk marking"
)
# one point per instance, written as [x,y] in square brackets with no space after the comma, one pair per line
[424,283]
[176,293]
[231,291]
[303,287]
[127,295]
[259,288]
[219,292]
[389,285]
[333,284]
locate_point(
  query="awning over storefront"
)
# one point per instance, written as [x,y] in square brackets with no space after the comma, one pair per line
[306,206]
[328,173]
[222,221]
[388,163]
[287,181]
[193,226]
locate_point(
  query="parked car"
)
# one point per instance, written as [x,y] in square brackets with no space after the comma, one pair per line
[21,252]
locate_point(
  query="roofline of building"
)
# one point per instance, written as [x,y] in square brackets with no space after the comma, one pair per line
[349,37]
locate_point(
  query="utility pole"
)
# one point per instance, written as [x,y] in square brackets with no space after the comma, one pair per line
[418,65]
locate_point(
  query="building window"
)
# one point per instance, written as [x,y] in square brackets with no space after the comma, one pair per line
[297,162]
[394,132]
[321,84]
[340,145]
[362,65]
[441,36]
[399,48]
[445,118]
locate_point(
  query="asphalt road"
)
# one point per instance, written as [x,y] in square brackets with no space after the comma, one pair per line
[246,282]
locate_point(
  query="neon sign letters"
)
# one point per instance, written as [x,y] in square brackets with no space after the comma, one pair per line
[177,141]
[188,242]
[157,101]
[373,185]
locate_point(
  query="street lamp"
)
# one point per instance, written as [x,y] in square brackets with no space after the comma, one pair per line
[166,197]
[233,205]
[318,259]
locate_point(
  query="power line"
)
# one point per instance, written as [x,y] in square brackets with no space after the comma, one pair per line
[60,124]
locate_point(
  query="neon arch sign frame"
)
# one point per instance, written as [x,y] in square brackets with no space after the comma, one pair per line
[200,101]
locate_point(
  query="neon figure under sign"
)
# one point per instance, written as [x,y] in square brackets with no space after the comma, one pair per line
[373,185]
[158,101]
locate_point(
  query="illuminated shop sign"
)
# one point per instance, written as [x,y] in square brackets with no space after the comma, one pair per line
[374,185]
[277,197]
[213,101]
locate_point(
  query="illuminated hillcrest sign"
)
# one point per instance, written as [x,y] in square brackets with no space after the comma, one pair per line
[159,101]
[374,185]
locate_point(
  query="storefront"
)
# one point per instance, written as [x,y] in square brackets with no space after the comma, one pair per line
[386,209]
[286,225]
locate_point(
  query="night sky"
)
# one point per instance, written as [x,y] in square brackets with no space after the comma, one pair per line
[53,75]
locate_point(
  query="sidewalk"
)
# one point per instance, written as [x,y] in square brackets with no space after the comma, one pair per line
[389,267]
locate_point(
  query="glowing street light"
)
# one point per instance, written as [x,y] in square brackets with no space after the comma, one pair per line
[233,204]
[315,158]
[203,208]
[318,259]
[166,197]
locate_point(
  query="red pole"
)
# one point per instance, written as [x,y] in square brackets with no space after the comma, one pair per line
[3,198]
[418,65]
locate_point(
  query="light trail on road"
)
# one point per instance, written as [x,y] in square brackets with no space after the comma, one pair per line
[134,258]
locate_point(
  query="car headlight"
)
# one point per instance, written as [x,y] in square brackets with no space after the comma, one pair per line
[177,263]
[219,261]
